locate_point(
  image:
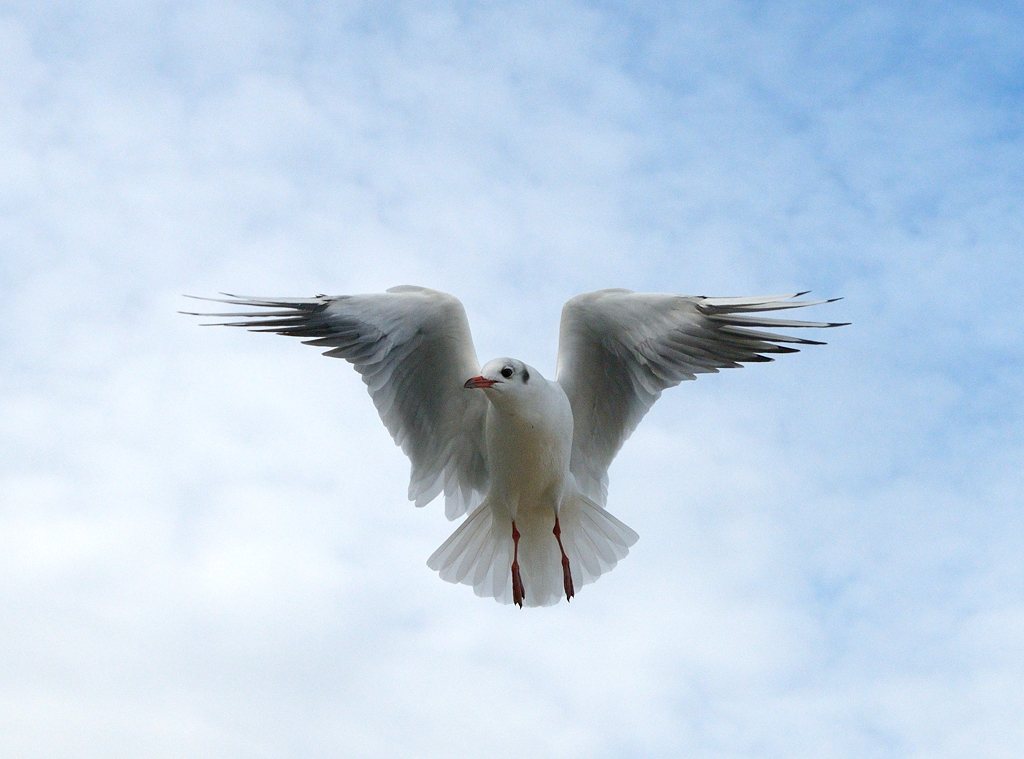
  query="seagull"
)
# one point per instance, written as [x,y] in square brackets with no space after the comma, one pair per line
[525,457]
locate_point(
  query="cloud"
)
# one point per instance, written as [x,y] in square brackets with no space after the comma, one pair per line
[204,538]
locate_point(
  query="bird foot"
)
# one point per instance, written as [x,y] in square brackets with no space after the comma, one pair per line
[567,585]
[570,591]
[518,591]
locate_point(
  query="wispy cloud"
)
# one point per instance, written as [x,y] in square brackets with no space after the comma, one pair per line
[204,538]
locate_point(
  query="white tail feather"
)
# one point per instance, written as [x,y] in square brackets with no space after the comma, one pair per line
[479,552]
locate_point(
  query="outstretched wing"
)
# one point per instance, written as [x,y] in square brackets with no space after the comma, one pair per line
[618,350]
[414,350]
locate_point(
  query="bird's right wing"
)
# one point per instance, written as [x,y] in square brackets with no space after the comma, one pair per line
[414,350]
[617,351]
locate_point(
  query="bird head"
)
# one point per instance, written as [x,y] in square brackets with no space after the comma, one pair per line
[504,376]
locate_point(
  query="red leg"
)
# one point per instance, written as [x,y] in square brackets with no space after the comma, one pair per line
[518,592]
[566,573]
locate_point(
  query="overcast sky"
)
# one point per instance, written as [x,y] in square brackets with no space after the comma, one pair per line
[205,545]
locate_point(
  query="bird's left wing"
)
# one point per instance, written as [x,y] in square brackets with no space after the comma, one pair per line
[414,351]
[618,350]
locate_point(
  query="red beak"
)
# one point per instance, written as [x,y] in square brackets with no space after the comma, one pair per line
[480,382]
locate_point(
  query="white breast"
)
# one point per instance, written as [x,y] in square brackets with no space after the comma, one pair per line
[529,443]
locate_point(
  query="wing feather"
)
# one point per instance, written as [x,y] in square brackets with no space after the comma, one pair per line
[618,350]
[413,348]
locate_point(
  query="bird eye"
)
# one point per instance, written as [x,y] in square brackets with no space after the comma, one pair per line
[507,372]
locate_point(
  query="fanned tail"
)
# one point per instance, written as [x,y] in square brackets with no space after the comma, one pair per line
[479,552]
[594,539]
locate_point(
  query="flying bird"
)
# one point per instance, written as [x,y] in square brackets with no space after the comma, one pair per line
[525,457]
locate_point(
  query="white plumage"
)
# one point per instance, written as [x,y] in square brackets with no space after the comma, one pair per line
[527,457]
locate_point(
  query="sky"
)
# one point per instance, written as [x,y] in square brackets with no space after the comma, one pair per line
[205,543]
